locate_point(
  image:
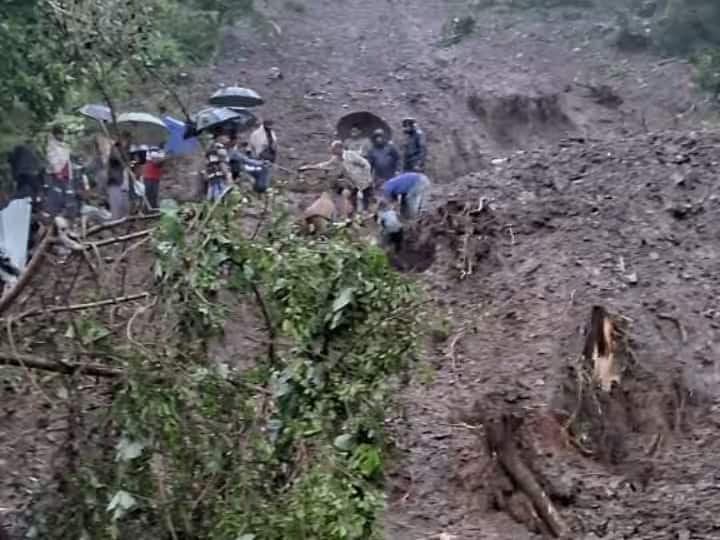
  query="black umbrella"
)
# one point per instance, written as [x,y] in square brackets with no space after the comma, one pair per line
[101,113]
[366,122]
[216,117]
[236,96]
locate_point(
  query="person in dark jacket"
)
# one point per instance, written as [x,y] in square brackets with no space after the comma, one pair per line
[26,171]
[383,157]
[415,148]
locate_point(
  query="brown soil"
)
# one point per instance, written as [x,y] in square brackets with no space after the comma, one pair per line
[547,201]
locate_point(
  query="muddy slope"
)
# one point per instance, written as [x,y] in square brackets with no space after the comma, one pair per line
[630,225]
[515,82]
[616,217]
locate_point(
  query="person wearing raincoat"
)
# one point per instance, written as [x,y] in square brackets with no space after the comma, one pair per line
[60,193]
[354,168]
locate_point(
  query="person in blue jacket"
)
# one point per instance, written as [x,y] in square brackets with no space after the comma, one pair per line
[409,189]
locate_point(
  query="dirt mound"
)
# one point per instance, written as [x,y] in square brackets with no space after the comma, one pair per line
[513,120]
[622,450]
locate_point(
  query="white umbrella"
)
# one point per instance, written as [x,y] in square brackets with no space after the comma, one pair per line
[143,128]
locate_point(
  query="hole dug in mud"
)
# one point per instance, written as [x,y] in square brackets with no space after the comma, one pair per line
[612,411]
[513,120]
[464,234]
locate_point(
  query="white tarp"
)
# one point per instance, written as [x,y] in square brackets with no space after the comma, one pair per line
[15,230]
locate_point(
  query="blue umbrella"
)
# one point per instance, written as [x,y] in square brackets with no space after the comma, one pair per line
[176,143]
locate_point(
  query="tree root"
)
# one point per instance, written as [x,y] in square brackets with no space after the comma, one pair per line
[500,439]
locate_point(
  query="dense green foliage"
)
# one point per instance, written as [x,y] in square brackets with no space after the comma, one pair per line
[290,447]
[60,55]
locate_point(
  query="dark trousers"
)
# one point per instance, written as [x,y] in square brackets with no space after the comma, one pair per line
[28,185]
[152,192]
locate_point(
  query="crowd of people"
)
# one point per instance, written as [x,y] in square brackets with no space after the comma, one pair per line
[374,175]
[229,160]
[369,175]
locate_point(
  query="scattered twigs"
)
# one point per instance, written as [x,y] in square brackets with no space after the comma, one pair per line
[9,297]
[678,324]
[81,307]
[14,353]
[451,349]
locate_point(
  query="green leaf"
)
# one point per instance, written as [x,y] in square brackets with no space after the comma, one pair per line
[343,442]
[128,450]
[343,299]
[120,504]
[246,537]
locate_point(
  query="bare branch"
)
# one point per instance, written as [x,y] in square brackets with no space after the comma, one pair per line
[7,300]
[81,307]
[35,362]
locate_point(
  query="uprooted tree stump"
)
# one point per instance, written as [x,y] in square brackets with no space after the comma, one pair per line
[596,406]
[607,401]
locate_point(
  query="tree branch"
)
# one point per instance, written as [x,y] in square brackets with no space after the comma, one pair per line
[34,362]
[123,238]
[81,307]
[110,224]
[7,300]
